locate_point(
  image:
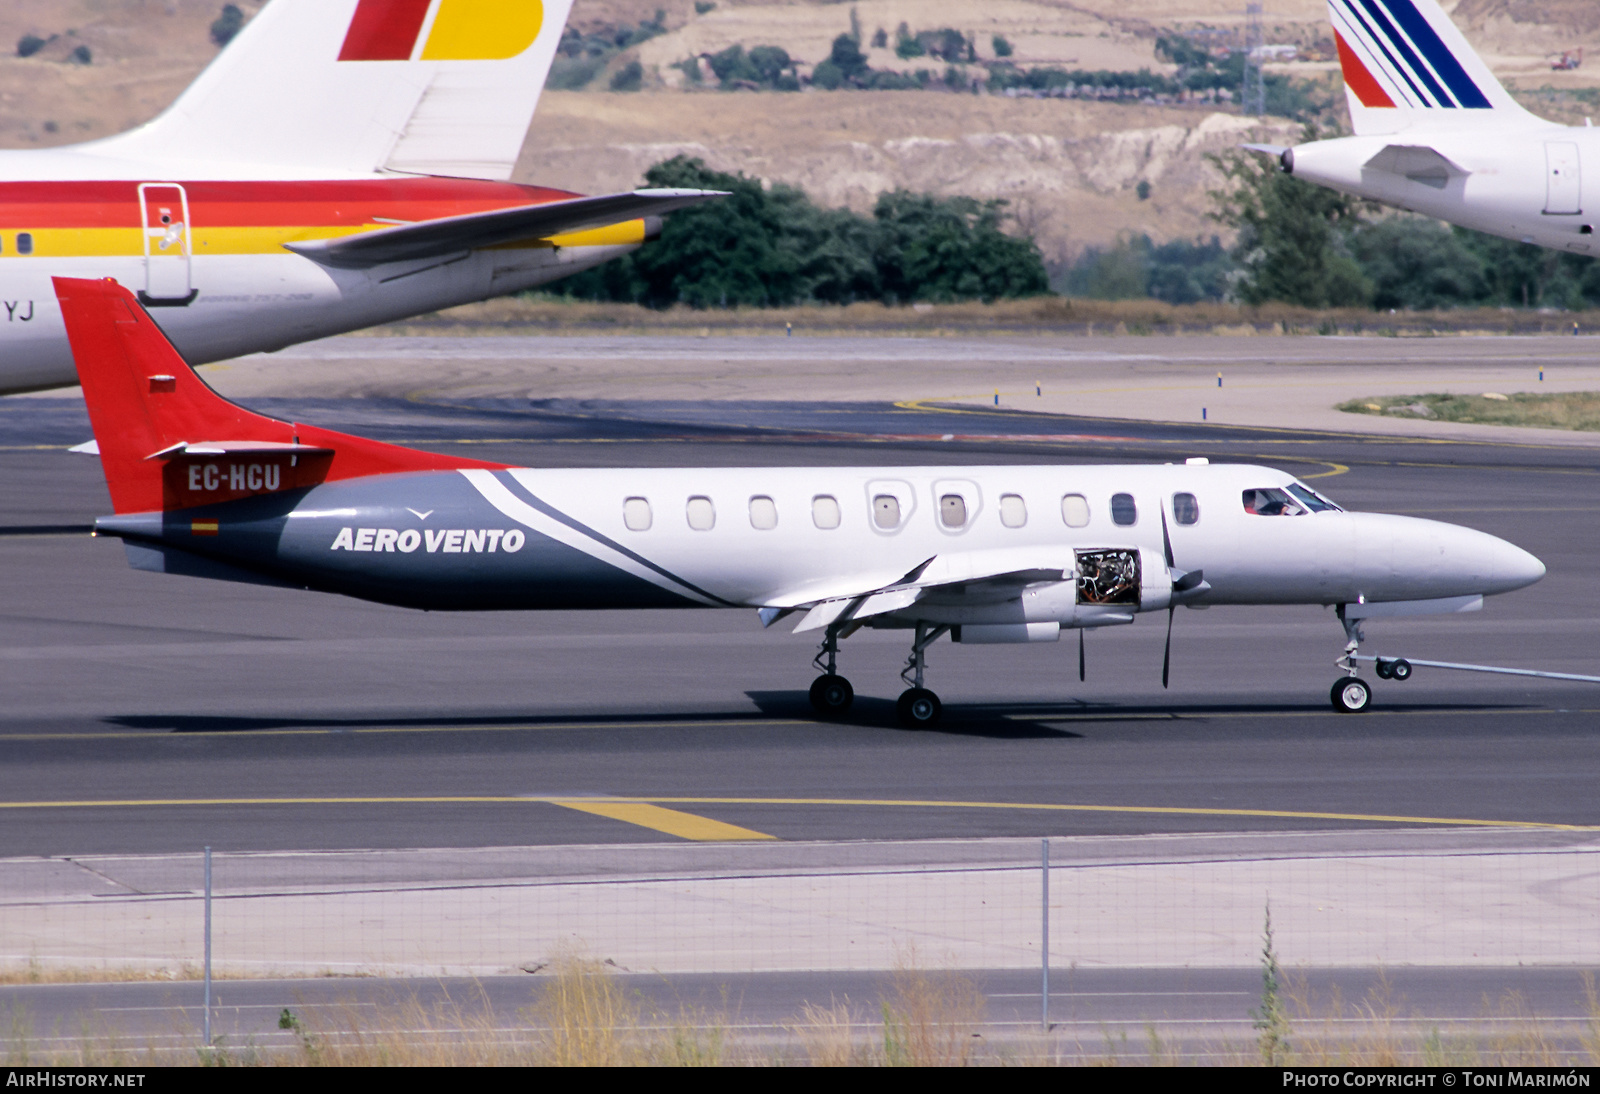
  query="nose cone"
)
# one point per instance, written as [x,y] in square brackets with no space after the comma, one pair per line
[1514,568]
[1406,558]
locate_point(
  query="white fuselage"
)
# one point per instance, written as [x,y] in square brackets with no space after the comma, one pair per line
[233,287]
[1534,184]
[1325,557]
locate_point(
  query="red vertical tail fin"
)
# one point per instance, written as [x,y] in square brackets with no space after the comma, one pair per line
[167,441]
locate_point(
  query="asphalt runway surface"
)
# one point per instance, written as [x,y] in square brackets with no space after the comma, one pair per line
[149,713]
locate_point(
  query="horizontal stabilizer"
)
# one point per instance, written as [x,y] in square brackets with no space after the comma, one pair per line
[452,235]
[237,448]
[1273,150]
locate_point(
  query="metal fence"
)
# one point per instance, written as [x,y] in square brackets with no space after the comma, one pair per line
[1337,899]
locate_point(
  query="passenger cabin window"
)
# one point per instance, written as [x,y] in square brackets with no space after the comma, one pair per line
[1013,511]
[24,243]
[1312,500]
[825,511]
[886,511]
[763,513]
[1075,511]
[1123,511]
[1185,509]
[1272,502]
[636,514]
[702,514]
[952,511]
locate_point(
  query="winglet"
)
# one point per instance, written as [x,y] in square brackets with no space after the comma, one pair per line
[145,400]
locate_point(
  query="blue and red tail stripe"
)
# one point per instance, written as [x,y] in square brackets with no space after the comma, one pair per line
[1400,41]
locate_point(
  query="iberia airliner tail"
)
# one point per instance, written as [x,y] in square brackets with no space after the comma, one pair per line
[352,87]
[1406,65]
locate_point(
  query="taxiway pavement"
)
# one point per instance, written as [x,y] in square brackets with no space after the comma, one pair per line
[147,713]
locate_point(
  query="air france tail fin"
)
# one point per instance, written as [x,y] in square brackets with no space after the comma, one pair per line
[160,427]
[353,87]
[1406,64]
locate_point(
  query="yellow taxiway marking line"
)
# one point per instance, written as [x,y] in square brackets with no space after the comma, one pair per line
[671,821]
[881,803]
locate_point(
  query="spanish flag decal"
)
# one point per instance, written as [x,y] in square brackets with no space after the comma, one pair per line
[441,30]
[202,527]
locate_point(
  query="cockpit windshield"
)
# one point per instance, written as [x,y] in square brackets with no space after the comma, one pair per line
[1313,500]
[1269,501]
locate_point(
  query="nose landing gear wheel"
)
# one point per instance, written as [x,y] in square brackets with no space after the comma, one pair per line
[832,695]
[919,708]
[1351,695]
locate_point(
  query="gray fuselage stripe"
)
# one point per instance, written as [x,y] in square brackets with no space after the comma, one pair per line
[509,481]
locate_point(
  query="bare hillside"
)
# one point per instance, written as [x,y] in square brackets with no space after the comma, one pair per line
[1070,169]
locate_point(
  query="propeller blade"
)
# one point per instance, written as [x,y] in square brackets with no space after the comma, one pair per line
[1080,655]
[1166,656]
[1166,540]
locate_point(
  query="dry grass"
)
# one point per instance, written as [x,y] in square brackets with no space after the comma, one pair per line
[1573,410]
[583,1016]
[931,1019]
[832,1036]
[543,314]
[36,972]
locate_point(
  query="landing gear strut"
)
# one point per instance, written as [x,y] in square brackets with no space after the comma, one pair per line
[1350,694]
[918,707]
[831,694]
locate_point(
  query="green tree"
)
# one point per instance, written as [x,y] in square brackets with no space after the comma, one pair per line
[1414,262]
[733,64]
[941,249]
[773,246]
[629,77]
[1291,245]
[226,25]
[847,57]
[770,64]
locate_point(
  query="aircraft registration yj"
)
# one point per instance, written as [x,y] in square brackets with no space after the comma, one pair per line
[203,487]
[1437,134]
[341,163]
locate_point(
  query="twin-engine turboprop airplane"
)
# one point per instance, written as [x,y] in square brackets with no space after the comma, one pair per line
[1436,133]
[341,163]
[984,554]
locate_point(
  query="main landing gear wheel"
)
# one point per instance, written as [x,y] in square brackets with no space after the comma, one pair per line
[919,708]
[832,695]
[1352,695]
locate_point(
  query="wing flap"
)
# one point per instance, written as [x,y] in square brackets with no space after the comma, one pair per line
[452,235]
[976,576]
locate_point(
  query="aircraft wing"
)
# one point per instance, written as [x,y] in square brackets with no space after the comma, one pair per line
[452,235]
[978,577]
